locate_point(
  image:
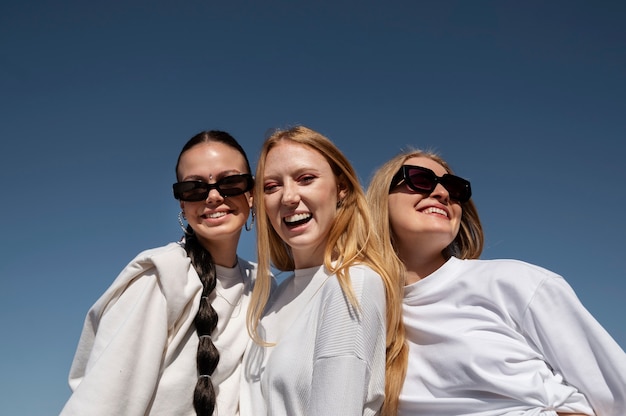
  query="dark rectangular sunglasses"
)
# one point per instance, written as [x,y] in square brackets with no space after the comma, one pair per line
[424,181]
[232,185]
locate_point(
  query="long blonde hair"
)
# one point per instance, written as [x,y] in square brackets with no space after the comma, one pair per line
[351,240]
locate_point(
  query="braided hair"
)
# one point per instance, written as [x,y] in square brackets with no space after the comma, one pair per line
[206,319]
[205,322]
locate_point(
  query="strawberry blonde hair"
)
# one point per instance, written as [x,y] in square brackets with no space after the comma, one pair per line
[352,240]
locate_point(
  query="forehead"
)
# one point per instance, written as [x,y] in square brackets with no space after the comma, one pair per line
[212,157]
[287,155]
[426,162]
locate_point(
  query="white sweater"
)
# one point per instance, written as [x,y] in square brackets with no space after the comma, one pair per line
[328,359]
[504,337]
[137,352]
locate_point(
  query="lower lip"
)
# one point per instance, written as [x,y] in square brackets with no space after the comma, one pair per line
[435,214]
[295,227]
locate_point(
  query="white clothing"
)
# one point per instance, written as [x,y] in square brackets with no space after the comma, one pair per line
[504,337]
[328,359]
[137,352]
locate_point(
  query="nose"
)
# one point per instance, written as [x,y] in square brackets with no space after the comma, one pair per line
[440,193]
[290,194]
[214,196]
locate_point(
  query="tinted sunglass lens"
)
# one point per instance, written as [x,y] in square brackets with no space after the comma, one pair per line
[194,192]
[233,185]
[420,180]
[458,188]
[425,180]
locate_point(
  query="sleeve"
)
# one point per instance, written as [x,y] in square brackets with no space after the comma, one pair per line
[349,357]
[118,360]
[577,346]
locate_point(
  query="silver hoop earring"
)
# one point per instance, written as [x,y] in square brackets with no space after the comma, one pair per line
[249,227]
[181,217]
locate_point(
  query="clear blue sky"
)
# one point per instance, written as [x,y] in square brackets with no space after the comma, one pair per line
[525,99]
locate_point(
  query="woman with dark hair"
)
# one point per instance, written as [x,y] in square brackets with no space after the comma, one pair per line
[486,337]
[168,336]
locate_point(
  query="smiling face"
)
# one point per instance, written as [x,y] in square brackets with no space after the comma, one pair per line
[423,225]
[216,220]
[300,196]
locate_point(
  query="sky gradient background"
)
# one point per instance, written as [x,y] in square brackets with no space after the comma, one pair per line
[525,99]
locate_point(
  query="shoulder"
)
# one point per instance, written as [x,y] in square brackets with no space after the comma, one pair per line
[365,282]
[158,256]
[174,251]
[361,273]
[167,262]
[507,277]
[368,289]
[503,270]
[169,265]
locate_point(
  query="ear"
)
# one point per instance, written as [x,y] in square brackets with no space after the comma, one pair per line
[250,198]
[182,206]
[342,190]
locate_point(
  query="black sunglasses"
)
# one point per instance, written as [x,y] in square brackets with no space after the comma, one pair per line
[424,181]
[232,185]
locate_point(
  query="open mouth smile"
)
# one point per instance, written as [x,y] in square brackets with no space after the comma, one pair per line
[433,210]
[297,219]
[214,215]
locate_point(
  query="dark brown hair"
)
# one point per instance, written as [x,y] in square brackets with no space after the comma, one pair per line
[202,261]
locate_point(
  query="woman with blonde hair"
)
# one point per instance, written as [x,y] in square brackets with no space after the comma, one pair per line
[330,340]
[488,337]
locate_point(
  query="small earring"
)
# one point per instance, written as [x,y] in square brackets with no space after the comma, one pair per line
[249,227]
[181,217]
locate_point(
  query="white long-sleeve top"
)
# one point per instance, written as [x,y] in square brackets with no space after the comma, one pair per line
[137,351]
[328,358]
[504,337]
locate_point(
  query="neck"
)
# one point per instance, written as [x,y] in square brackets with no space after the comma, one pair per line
[418,268]
[303,259]
[224,252]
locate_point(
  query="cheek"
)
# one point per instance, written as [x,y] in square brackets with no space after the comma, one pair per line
[192,208]
[244,203]
[458,214]
[271,208]
[396,206]
[274,220]
[397,219]
[392,212]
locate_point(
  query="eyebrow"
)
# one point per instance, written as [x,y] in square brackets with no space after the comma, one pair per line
[296,172]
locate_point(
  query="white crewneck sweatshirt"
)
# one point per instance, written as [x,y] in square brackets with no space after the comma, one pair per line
[328,359]
[504,337]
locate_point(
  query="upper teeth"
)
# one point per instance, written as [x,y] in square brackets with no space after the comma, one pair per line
[297,217]
[433,210]
[216,214]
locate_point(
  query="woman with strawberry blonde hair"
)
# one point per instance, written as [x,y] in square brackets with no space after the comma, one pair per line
[330,340]
[486,337]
